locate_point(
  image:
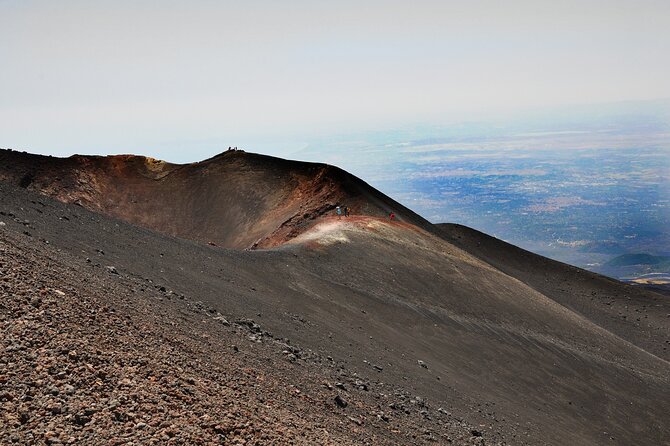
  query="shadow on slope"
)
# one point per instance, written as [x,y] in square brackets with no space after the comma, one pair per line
[631,312]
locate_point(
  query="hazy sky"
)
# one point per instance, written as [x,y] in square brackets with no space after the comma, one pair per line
[145,76]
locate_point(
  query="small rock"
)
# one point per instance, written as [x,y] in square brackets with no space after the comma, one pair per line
[81,419]
[113,404]
[422,364]
[112,270]
[52,440]
[340,402]
[222,320]
[24,416]
[361,385]
[250,324]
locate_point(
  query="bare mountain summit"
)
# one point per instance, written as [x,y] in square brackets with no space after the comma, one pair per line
[235,200]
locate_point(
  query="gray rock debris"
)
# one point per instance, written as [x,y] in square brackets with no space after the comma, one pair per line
[340,401]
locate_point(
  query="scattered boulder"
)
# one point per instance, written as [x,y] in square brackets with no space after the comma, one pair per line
[341,402]
[250,324]
[222,320]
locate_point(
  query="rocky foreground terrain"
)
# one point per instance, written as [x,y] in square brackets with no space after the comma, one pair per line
[120,328]
[87,362]
[92,356]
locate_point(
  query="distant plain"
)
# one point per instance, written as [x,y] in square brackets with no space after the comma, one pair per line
[579,186]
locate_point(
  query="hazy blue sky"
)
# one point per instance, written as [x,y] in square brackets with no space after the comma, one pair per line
[159,76]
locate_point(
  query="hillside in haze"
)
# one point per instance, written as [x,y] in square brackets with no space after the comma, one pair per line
[124,324]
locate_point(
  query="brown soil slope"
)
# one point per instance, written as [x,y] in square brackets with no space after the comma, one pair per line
[236,199]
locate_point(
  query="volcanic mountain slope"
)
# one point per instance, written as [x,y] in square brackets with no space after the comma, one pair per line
[627,311]
[420,334]
[235,200]
[83,364]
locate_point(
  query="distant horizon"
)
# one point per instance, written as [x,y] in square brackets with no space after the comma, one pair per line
[284,146]
[127,76]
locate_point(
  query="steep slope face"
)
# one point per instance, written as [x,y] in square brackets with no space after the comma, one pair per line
[235,200]
[115,371]
[490,335]
[409,325]
[631,312]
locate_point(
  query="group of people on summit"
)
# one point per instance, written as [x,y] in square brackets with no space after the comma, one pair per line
[346,210]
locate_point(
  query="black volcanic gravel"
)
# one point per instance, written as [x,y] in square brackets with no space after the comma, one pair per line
[114,334]
[89,357]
